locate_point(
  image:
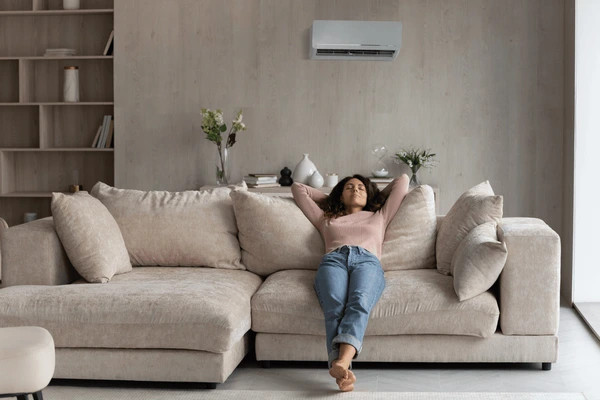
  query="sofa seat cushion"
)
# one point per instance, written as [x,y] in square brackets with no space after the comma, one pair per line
[419,301]
[150,307]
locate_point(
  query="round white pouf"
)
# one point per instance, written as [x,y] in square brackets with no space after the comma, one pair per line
[26,359]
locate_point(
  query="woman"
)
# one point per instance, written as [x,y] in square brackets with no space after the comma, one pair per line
[352,221]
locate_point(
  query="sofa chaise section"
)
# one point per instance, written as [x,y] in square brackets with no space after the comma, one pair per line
[151,307]
[154,323]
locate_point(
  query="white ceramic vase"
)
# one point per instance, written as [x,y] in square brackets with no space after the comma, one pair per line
[304,170]
[71,4]
[316,180]
[71,85]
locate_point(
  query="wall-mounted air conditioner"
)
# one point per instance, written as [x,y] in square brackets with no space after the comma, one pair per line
[355,40]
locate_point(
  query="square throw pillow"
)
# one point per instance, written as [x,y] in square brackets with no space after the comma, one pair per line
[474,207]
[478,261]
[90,236]
[274,234]
[409,241]
[194,228]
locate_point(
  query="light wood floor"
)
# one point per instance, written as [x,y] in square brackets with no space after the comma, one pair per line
[577,370]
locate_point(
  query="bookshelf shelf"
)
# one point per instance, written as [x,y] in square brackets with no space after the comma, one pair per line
[81,103]
[56,149]
[26,194]
[45,142]
[54,12]
[56,58]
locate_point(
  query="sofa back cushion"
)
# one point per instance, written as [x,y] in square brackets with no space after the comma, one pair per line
[409,241]
[188,228]
[274,234]
[90,236]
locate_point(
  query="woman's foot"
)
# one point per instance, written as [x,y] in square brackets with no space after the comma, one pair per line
[347,385]
[339,369]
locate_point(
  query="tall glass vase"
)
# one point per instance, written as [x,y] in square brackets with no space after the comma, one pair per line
[414,180]
[223,165]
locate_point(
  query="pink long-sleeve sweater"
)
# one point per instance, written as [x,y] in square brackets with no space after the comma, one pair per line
[363,228]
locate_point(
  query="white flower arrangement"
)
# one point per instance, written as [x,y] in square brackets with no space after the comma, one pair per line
[213,125]
[415,158]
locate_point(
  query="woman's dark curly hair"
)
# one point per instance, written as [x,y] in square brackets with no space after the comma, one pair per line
[333,207]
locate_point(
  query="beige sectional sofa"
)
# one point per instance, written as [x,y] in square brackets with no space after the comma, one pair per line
[195,323]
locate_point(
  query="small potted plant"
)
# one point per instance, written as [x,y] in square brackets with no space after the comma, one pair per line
[415,159]
[213,125]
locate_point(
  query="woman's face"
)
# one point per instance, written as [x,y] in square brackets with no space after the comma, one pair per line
[354,193]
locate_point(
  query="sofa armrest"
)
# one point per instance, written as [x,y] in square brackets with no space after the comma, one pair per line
[530,281]
[32,254]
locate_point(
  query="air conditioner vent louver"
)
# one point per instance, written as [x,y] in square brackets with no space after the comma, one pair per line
[355,40]
[357,53]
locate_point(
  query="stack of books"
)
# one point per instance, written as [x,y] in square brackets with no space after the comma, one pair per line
[104,134]
[60,52]
[380,182]
[261,180]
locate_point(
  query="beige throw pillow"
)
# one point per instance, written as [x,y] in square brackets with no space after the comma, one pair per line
[90,236]
[478,261]
[409,241]
[274,234]
[188,228]
[474,207]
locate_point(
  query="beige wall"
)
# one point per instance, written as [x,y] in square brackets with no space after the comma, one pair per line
[479,82]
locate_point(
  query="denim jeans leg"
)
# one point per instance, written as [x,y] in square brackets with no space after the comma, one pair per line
[366,286]
[331,286]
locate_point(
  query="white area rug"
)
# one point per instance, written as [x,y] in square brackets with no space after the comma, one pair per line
[87,393]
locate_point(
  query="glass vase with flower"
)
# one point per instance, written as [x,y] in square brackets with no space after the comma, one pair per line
[213,126]
[415,159]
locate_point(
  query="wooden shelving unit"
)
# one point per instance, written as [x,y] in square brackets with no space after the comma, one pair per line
[45,142]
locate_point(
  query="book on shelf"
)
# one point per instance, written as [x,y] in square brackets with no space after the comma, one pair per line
[380,180]
[108,49]
[95,142]
[110,134]
[104,133]
[263,175]
[250,179]
[60,52]
[263,185]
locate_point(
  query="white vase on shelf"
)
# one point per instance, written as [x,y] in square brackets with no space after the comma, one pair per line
[71,4]
[304,170]
[316,180]
[71,84]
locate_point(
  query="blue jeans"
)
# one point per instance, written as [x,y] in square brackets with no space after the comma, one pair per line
[349,282]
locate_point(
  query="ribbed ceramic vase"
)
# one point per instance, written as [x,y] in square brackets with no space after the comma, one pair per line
[304,170]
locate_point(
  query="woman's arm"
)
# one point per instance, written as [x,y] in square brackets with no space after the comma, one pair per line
[394,194]
[307,198]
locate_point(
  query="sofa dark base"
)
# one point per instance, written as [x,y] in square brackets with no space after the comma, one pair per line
[546,366]
[132,384]
[24,396]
